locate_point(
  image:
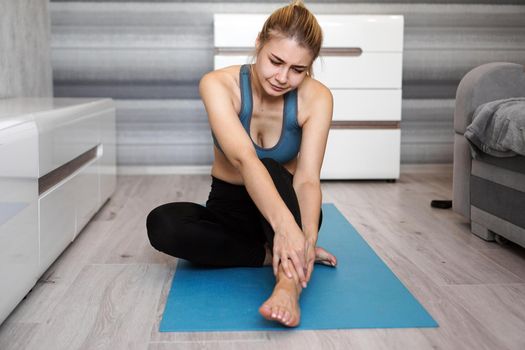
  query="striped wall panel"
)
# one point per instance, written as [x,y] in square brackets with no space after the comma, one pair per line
[149,56]
[25,60]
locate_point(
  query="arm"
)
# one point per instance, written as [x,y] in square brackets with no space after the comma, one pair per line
[307,182]
[215,90]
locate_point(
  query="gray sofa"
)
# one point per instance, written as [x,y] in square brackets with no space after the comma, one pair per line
[487,190]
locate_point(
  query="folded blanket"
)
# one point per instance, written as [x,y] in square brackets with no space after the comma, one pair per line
[498,128]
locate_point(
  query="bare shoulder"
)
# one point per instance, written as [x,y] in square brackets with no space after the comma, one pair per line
[315,98]
[225,77]
[312,87]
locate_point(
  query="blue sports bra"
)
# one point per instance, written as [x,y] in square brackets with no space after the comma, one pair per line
[289,142]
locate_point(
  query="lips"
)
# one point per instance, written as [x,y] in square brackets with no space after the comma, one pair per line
[276,88]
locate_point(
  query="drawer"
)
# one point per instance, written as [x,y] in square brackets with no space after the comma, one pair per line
[368,32]
[367,71]
[362,154]
[108,159]
[62,141]
[367,104]
[18,252]
[57,222]
[86,195]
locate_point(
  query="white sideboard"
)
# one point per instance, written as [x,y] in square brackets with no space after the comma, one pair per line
[361,63]
[57,168]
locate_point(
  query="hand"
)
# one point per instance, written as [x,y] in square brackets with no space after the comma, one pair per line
[310,258]
[289,243]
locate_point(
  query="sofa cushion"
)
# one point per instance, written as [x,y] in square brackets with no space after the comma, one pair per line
[516,164]
[499,200]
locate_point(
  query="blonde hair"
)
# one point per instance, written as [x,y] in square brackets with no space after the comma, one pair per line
[296,22]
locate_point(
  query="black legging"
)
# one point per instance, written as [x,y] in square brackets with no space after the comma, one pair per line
[229,231]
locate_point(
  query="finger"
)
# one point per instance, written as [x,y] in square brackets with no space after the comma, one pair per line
[286,268]
[299,268]
[275,264]
[310,269]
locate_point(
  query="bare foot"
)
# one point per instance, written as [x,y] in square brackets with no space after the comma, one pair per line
[324,257]
[283,304]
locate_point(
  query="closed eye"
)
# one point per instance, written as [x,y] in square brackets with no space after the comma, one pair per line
[298,70]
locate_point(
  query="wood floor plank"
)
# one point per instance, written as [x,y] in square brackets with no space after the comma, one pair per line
[107,307]
[298,340]
[16,335]
[501,308]
[126,240]
[510,257]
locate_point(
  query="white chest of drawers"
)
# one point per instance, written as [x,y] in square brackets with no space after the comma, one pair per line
[57,168]
[361,63]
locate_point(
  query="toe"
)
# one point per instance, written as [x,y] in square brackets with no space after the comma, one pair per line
[266,311]
[275,312]
[280,315]
[324,257]
[286,317]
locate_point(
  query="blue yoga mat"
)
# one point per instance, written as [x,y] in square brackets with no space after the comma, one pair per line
[361,292]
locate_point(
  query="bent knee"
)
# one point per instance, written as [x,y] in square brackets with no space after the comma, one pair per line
[159,224]
[166,224]
[154,227]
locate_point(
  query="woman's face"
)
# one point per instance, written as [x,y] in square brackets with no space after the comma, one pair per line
[282,65]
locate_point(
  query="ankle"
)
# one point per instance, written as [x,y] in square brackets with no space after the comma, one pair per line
[288,284]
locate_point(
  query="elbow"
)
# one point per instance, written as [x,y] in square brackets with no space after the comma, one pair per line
[241,160]
[311,184]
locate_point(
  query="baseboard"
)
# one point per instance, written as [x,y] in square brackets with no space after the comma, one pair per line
[426,168]
[164,170]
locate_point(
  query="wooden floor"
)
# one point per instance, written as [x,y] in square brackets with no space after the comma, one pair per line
[108,289]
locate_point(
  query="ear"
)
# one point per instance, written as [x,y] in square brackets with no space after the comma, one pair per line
[258,41]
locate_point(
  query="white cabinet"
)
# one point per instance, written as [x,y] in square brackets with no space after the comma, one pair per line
[361,63]
[57,222]
[18,211]
[57,168]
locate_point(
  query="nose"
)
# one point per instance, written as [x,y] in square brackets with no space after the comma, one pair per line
[282,76]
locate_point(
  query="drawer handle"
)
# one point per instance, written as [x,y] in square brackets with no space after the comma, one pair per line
[341,51]
[328,51]
[234,51]
[365,124]
[56,176]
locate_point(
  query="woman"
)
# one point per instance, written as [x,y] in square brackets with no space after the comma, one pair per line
[270,123]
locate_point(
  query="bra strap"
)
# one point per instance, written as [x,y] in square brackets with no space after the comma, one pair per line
[246,93]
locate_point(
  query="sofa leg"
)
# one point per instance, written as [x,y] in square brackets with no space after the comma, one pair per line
[481,231]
